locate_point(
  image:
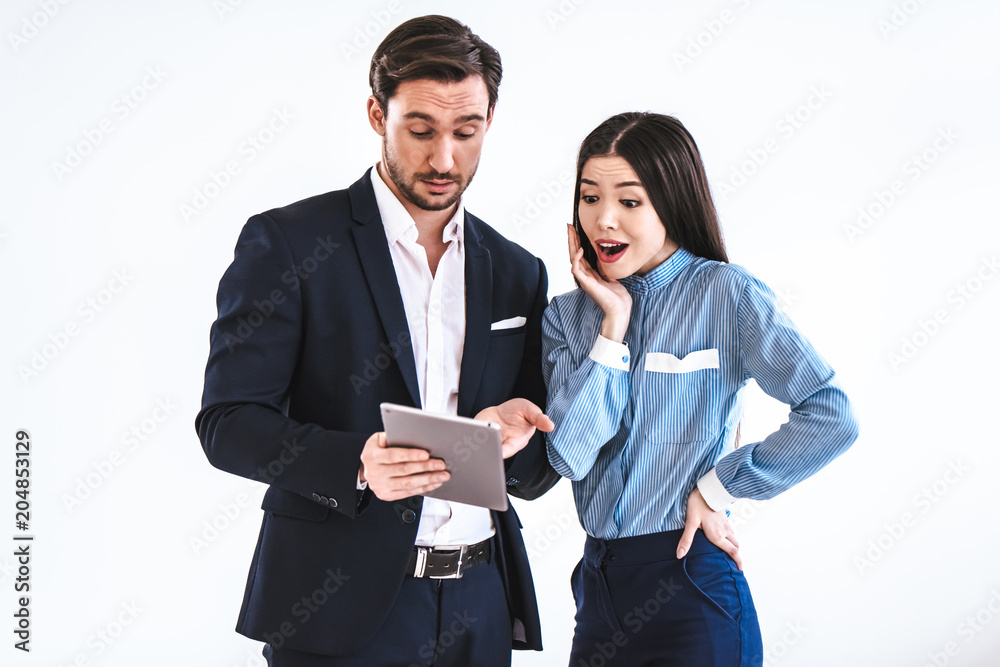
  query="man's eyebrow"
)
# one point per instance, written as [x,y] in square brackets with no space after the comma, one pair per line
[419,115]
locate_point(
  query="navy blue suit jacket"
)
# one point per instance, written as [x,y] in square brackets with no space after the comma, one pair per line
[311,337]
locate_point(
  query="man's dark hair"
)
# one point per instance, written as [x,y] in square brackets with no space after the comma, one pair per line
[432,47]
[665,158]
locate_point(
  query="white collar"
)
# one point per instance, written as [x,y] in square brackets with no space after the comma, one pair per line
[397,221]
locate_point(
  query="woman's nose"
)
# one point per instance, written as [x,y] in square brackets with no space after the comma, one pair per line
[606,218]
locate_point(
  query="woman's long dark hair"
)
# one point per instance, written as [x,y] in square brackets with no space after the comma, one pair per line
[665,158]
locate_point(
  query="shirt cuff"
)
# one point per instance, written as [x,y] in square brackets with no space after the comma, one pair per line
[361,485]
[609,353]
[713,492]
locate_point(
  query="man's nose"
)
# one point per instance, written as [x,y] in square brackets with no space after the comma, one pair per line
[442,157]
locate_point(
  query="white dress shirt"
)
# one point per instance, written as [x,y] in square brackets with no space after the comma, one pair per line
[435,314]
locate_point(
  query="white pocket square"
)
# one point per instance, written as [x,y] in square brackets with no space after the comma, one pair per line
[509,323]
[664,362]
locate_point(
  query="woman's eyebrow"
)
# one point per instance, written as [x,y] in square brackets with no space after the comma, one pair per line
[623,184]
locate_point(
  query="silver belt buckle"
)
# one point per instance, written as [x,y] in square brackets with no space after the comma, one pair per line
[421,565]
[420,569]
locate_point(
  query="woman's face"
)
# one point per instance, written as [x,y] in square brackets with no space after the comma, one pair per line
[618,218]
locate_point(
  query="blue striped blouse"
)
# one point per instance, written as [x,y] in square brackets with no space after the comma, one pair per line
[639,424]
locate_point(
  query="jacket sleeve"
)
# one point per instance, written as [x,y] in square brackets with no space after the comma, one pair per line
[254,348]
[528,472]
[587,394]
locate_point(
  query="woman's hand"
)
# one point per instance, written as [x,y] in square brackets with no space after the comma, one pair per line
[714,524]
[609,295]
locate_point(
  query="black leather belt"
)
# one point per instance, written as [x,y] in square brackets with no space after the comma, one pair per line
[448,562]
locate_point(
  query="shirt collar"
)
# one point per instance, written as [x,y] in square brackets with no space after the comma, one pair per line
[660,276]
[398,222]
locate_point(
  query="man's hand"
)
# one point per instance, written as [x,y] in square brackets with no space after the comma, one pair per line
[517,418]
[714,524]
[394,473]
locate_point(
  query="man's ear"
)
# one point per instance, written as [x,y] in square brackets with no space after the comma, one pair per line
[489,116]
[376,116]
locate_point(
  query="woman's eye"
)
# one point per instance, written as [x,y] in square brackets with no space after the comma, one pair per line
[629,203]
[588,199]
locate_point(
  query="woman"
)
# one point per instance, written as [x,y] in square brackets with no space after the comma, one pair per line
[645,365]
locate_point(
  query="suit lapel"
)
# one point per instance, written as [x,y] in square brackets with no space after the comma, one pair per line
[376,262]
[478,310]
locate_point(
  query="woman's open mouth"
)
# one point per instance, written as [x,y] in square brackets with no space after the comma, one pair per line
[609,250]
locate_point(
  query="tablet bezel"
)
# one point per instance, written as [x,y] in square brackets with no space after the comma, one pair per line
[471,450]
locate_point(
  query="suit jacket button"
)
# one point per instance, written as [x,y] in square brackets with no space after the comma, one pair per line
[316,497]
[331,502]
[409,516]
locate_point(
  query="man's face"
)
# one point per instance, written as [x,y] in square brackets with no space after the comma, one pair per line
[432,136]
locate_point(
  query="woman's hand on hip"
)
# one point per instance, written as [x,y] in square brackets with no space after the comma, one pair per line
[714,524]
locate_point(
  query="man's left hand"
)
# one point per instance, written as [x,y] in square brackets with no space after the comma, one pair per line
[517,418]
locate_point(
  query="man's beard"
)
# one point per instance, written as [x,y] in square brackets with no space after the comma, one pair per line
[408,188]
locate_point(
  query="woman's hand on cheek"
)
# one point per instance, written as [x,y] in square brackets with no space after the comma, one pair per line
[610,295]
[714,524]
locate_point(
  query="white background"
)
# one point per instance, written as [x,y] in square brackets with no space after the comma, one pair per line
[838,576]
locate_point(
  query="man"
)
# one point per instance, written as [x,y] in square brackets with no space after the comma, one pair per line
[387,291]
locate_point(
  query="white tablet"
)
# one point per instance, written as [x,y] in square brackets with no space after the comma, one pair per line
[471,450]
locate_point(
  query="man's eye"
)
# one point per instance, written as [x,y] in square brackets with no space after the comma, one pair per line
[463,135]
[420,135]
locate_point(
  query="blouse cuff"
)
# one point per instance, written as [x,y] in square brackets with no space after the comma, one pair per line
[713,492]
[609,353]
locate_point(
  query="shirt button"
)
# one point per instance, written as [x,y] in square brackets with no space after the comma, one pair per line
[625,359]
[409,516]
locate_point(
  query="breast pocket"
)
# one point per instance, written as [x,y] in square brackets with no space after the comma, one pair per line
[677,395]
